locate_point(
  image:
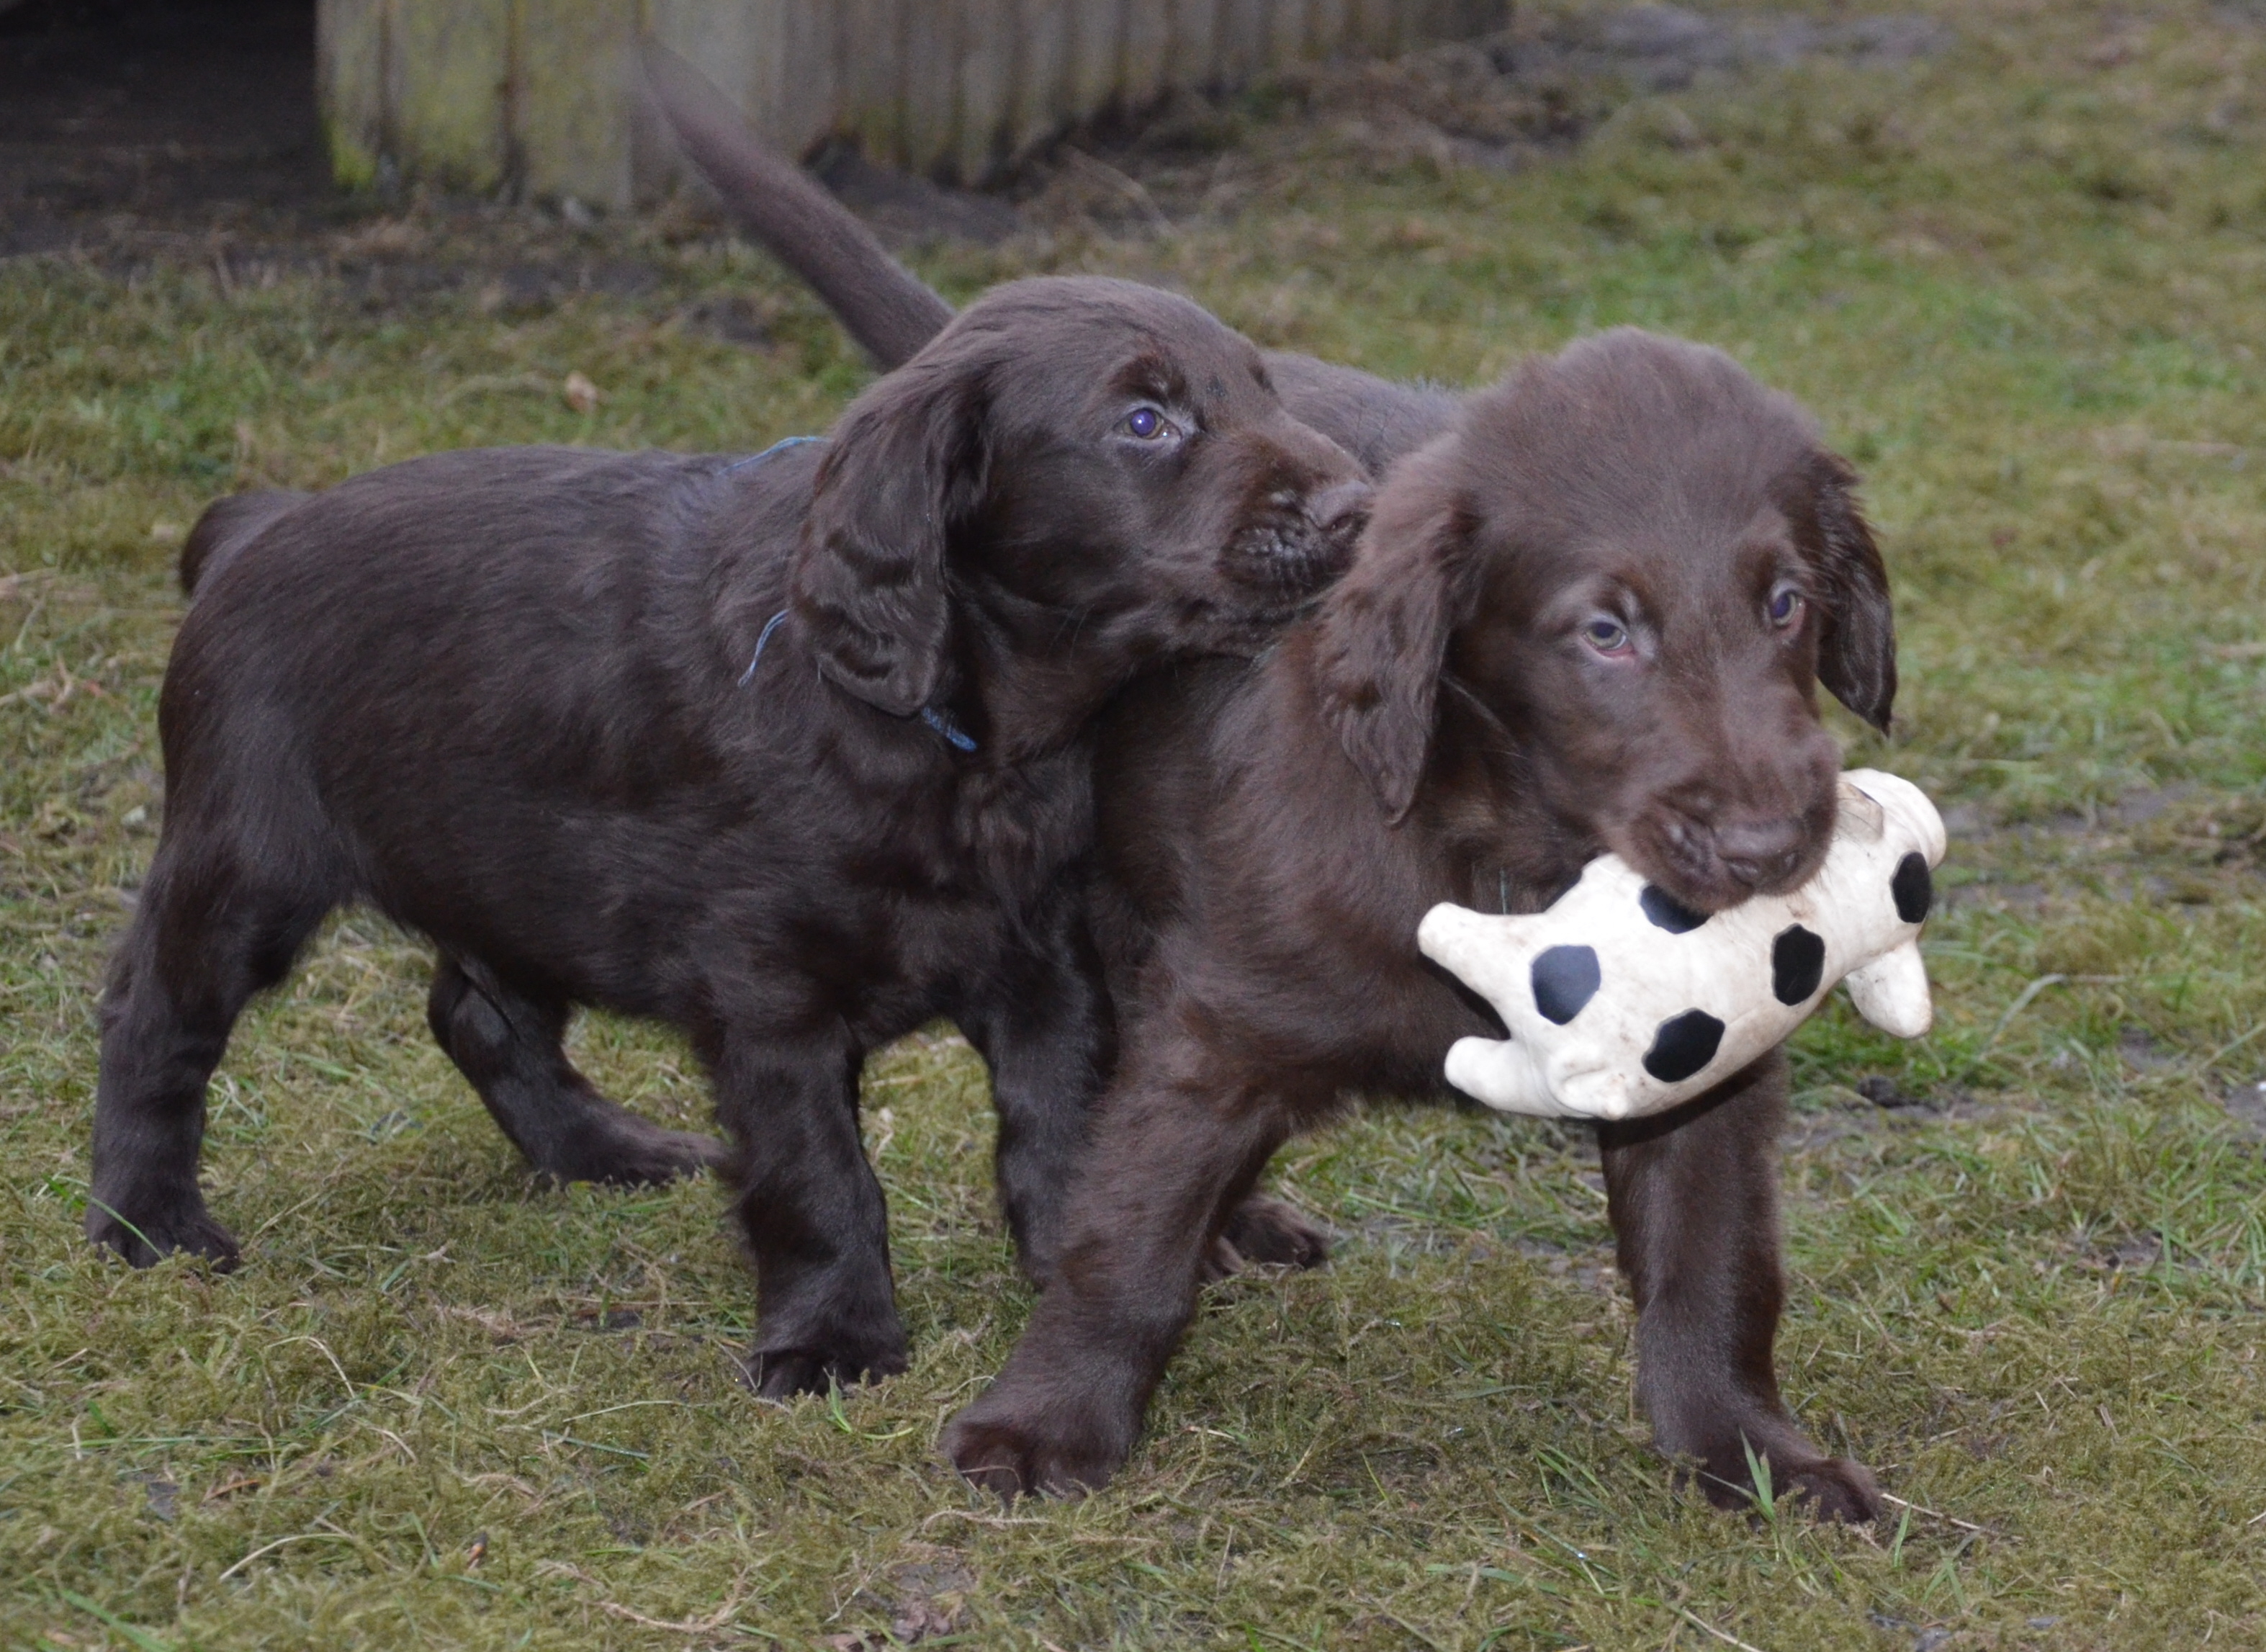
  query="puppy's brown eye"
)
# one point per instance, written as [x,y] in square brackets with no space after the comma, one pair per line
[1147,424]
[1785,606]
[1606,636]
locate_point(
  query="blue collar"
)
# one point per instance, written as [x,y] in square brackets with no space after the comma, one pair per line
[780,446]
[942,721]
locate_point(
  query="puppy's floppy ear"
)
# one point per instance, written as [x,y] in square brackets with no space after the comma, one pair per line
[1385,627]
[1857,651]
[906,465]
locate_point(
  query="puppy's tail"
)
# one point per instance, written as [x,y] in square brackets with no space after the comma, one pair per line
[882,305]
[227,526]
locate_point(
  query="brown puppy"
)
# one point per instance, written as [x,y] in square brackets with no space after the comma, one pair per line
[1587,615]
[787,751]
[1591,616]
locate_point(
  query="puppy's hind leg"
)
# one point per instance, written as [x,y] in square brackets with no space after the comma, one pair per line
[208,933]
[508,1043]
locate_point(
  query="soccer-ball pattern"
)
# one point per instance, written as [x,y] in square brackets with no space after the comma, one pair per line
[1620,1002]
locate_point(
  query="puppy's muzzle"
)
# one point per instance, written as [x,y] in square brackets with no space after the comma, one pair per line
[1299,543]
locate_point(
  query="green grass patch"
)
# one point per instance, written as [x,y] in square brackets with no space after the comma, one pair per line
[2022,282]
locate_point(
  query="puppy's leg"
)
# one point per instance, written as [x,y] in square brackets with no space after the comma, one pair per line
[810,1211]
[1169,1160]
[1264,1230]
[1042,1024]
[1046,1029]
[1693,1197]
[508,1044]
[206,934]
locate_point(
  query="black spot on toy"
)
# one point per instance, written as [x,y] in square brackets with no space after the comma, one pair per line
[1565,978]
[1914,888]
[1667,912]
[1684,1044]
[1797,964]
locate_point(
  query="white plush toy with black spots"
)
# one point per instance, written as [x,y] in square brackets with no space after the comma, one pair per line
[1621,1003]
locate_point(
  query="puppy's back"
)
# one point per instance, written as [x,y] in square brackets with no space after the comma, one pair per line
[230,524]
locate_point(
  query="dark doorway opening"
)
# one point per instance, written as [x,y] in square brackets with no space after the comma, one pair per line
[181,116]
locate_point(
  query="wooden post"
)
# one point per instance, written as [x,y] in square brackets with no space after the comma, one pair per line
[350,84]
[1193,60]
[1097,40]
[987,85]
[870,48]
[926,84]
[446,85]
[1328,24]
[809,98]
[1243,39]
[1042,101]
[1287,39]
[573,105]
[1148,47]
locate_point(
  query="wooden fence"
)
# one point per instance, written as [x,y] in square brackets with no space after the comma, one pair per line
[541,92]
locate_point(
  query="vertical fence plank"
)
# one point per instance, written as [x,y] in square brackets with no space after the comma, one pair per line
[1097,48]
[987,85]
[1244,31]
[870,45]
[1380,25]
[350,84]
[810,99]
[572,110]
[1327,25]
[926,82]
[446,72]
[1041,93]
[1148,43]
[1194,57]
[1286,39]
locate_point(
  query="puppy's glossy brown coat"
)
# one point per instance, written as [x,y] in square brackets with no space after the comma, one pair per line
[534,704]
[1587,615]
[1591,616]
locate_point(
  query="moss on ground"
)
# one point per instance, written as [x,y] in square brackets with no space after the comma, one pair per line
[2021,280]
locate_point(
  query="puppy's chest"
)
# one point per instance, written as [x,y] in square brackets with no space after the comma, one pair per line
[987,838]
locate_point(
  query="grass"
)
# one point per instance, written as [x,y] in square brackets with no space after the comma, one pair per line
[2022,282]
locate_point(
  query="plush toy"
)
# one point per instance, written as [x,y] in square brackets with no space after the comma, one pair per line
[1622,1003]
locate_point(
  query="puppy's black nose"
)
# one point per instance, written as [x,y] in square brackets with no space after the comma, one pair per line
[1341,509]
[1759,851]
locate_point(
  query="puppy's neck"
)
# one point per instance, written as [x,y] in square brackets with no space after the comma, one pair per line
[1479,795]
[1039,675]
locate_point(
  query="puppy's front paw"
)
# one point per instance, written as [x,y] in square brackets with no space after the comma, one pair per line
[619,1149]
[781,1373]
[1264,1230]
[146,1230]
[1016,1456]
[663,1156]
[1834,1488]
[1831,1488]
